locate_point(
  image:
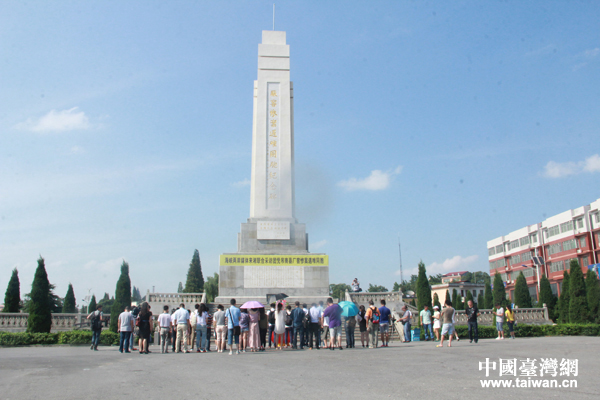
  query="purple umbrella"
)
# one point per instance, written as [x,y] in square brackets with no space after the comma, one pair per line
[252,304]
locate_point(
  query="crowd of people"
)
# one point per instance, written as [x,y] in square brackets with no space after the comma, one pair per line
[281,326]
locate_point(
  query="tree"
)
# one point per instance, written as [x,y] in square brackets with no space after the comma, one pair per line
[411,285]
[106,306]
[480,301]
[12,298]
[92,305]
[522,296]
[454,297]
[338,291]
[469,296]
[447,297]
[211,288]
[412,303]
[547,297]
[592,288]
[180,288]
[69,304]
[40,314]
[436,301]
[136,295]
[195,281]
[499,291]
[376,288]
[122,296]
[396,287]
[578,306]
[564,299]
[423,288]
[435,279]
[106,296]
[488,297]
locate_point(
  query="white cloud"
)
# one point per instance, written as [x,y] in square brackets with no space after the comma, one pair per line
[318,245]
[378,180]
[77,150]
[113,265]
[57,121]
[456,263]
[245,182]
[559,170]
[591,53]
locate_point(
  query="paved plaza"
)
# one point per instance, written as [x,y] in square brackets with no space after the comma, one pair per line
[417,370]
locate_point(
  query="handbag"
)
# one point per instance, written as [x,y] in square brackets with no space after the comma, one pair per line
[236,329]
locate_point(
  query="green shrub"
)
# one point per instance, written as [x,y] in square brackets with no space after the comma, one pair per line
[107,338]
[75,337]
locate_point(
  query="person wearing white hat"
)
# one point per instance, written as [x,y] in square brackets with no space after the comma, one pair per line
[436,323]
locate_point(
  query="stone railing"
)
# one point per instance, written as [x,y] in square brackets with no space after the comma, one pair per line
[17,322]
[529,316]
[364,297]
[158,300]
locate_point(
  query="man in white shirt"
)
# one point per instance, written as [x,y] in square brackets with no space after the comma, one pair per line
[164,322]
[499,321]
[182,318]
[315,325]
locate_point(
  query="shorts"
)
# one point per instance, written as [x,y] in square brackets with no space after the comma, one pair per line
[499,326]
[447,329]
[221,330]
[337,331]
[245,329]
[231,337]
[384,327]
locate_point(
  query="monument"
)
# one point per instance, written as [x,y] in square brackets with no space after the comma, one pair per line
[273,254]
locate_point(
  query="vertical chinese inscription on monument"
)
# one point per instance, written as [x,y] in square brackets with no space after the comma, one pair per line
[273,165]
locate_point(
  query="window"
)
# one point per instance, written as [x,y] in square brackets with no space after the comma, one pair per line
[533,293]
[598,217]
[566,227]
[529,272]
[534,238]
[569,244]
[501,262]
[555,230]
[554,248]
[504,277]
[514,244]
[580,223]
[582,242]
[524,241]
[568,263]
[499,248]
[515,259]
[554,287]
[557,266]
[526,256]
[585,261]
[492,251]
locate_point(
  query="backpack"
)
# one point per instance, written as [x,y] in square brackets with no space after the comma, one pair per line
[272,317]
[96,324]
[375,316]
[288,319]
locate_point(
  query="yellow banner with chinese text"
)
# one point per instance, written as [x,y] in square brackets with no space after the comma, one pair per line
[317,260]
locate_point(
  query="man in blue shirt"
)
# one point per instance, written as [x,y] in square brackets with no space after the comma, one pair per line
[233,325]
[297,323]
[384,323]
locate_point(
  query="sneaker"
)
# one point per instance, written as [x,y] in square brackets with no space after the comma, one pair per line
[237,352]
[470,341]
[198,351]
[501,338]
[498,338]
[230,352]
[341,348]
[92,347]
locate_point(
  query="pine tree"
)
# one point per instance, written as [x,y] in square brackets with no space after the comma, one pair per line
[180,288]
[92,305]
[40,315]
[480,301]
[578,307]
[122,296]
[423,288]
[12,298]
[454,297]
[488,297]
[499,291]
[447,297]
[522,296]
[563,301]
[436,301]
[211,287]
[69,303]
[547,297]
[460,305]
[468,297]
[195,281]
[592,287]
[106,297]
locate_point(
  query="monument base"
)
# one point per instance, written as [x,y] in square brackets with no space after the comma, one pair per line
[303,277]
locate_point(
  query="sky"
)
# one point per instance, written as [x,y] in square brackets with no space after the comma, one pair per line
[126,131]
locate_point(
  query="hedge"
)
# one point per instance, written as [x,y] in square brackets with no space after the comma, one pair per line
[523,330]
[68,337]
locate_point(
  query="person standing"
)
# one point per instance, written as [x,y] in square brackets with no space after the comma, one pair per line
[472,313]
[298,326]
[145,319]
[125,327]
[271,319]
[254,333]
[209,330]
[373,317]
[244,329]
[436,323]
[289,326]
[305,325]
[384,324]
[324,330]
[315,323]
[233,327]
[405,319]
[220,328]
[181,318]
[201,328]
[510,320]
[499,321]
[279,329]
[362,325]
[334,313]
[192,334]
[447,325]
[263,327]
[164,323]
[350,327]
[425,317]
[96,325]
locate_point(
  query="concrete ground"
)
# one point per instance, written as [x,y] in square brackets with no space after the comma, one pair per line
[416,370]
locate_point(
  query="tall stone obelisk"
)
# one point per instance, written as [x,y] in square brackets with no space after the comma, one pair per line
[273,252]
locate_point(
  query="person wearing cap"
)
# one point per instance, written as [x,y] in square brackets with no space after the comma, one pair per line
[436,323]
